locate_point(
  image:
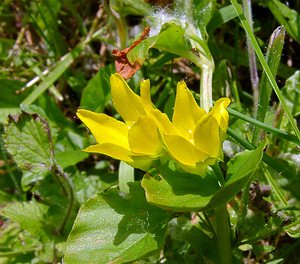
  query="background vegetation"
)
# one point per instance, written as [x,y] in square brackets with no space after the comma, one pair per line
[56,56]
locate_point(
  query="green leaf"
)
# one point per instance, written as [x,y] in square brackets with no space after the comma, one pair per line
[70,158]
[44,17]
[197,13]
[240,57]
[293,229]
[5,46]
[181,192]
[172,38]
[28,140]
[202,14]
[86,185]
[13,247]
[30,216]
[239,171]
[97,92]
[131,7]
[265,65]
[178,191]
[221,16]
[291,92]
[9,99]
[287,17]
[113,228]
[204,245]
[139,53]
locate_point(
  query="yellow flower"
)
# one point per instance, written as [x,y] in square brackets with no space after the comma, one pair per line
[193,138]
[136,141]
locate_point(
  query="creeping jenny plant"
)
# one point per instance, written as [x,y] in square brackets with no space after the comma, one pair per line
[193,138]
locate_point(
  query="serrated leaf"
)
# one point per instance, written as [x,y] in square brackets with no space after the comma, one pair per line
[29,215]
[113,228]
[28,141]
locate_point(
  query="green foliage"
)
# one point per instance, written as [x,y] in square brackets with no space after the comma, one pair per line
[114,228]
[240,168]
[171,190]
[5,46]
[184,192]
[287,17]
[30,216]
[60,204]
[9,102]
[95,95]
[28,140]
[291,92]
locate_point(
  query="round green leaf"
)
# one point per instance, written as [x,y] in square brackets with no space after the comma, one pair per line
[181,192]
[178,191]
[116,228]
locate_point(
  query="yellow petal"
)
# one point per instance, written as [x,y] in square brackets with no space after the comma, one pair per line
[220,113]
[183,151]
[112,150]
[127,103]
[105,128]
[207,137]
[146,95]
[187,113]
[143,137]
[163,123]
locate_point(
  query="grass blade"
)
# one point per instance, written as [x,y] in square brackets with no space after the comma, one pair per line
[265,66]
[58,70]
[266,127]
[273,58]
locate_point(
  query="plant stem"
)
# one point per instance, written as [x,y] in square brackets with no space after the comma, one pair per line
[275,187]
[206,86]
[251,54]
[223,235]
[10,254]
[68,190]
[206,64]
[121,25]
[242,213]
[126,175]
